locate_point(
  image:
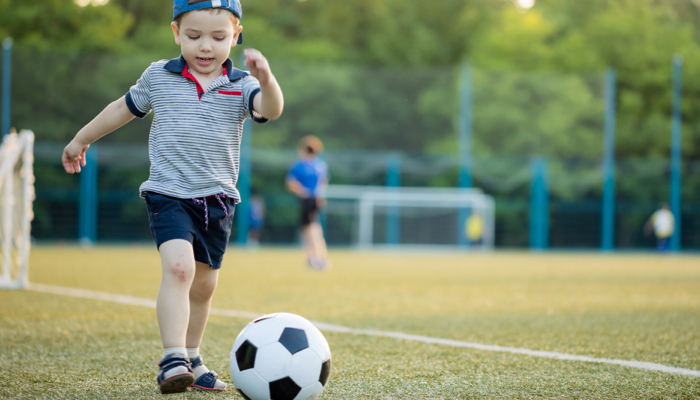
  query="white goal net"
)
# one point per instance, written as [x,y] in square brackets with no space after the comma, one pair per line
[417,217]
[16,196]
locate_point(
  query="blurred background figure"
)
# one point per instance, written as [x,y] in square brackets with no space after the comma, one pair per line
[662,224]
[475,228]
[256,220]
[307,179]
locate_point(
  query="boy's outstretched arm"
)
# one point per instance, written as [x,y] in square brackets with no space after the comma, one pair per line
[269,102]
[112,117]
[295,187]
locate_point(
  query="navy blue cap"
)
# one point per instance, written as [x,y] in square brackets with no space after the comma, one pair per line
[182,6]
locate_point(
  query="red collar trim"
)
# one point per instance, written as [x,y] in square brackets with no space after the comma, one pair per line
[187,74]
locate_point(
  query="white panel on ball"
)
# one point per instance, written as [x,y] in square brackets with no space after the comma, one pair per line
[310,392]
[318,343]
[252,384]
[294,321]
[264,332]
[305,368]
[272,362]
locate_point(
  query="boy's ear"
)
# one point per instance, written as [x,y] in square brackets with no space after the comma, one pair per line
[236,32]
[176,32]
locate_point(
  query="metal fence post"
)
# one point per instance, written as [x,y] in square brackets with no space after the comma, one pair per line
[245,171]
[676,128]
[244,177]
[539,205]
[465,125]
[88,199]
[608,214]
[393,215]
[466,112]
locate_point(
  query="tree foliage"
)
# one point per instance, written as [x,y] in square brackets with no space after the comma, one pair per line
[388,40]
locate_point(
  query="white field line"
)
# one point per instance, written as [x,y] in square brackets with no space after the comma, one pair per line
[136,301]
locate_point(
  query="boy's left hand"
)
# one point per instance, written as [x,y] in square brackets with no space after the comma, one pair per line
[259,67]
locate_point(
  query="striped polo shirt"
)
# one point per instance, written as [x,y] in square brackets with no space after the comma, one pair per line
[195,140]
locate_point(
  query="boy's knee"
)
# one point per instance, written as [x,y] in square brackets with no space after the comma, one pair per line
[182,272]
[203,290]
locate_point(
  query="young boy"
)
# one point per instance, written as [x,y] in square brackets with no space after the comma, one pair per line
[308,178]
[200,102]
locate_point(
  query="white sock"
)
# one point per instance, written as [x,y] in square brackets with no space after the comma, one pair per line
[199,370]
[177,350]
[192,353]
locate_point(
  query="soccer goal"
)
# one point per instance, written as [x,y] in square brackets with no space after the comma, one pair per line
[378,216]
[16,197]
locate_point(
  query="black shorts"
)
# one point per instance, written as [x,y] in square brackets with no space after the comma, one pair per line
[171,218]
[309,207]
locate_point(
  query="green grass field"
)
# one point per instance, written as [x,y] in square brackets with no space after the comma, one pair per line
[630,307]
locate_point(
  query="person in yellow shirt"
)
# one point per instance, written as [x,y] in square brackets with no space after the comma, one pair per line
[475,228]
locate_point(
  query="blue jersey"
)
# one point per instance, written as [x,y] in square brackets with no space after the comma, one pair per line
[309,172]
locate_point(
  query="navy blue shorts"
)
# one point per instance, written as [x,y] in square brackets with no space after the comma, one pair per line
[309,208]
[171,218]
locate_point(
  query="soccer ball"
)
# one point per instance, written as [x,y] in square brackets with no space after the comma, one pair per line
[280,357]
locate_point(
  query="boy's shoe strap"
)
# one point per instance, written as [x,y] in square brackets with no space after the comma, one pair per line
[180,380]
[171,361]
[207,382]
[196,362]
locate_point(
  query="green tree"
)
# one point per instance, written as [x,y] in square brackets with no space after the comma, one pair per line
[63,25]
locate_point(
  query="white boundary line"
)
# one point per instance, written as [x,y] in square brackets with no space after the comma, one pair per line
[137,301]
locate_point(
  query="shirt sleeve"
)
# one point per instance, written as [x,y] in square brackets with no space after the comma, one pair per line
[251,87]
[138,98]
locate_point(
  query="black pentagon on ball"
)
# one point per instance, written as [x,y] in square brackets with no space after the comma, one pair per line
[243,394]
[325,372]
[294,340]
[245,356]
[284,389]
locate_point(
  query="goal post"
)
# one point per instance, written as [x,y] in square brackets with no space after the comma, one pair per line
[16,198]
[426,217]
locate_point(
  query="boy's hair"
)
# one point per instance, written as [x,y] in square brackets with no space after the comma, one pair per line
[311,144]
[216,11]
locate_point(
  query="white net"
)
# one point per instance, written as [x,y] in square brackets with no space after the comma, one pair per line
[16,196]
[377,216]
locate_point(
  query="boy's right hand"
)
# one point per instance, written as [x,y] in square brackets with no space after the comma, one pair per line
[74,156]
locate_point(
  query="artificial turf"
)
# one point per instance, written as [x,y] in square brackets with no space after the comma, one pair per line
[631,307]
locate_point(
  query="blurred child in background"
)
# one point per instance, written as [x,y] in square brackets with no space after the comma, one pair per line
[475,229]
[308,178]
[256,220]
[663,224]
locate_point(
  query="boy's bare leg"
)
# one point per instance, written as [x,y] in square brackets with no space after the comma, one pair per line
[201,293]
[173,310]
[173,305]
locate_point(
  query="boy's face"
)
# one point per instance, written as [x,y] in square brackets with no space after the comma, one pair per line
[206,39]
